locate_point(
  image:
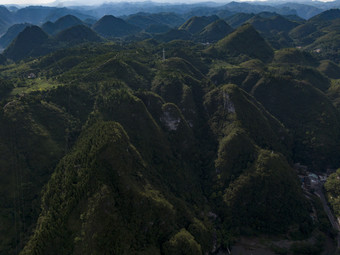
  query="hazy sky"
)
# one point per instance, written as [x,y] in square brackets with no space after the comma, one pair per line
[93,2]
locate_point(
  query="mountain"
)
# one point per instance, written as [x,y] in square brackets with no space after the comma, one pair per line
[11,33]
[328,15]
[305,33]
[103,177]
[77,34]
[145,20]
[207,11]
[5,14]
[3,61]
[58,13]
[125,8]
[40,14]
[330,69]
[167,145]
[215,31]
[61,24]
[33,14]
[295,56]
[142,20]
[277,23]
[248,7]
[6,19]
[239,7]
[274,28]
[317,26]
[173,34]
[136,151]
[48,27]
[157,29]
[319,34]
[34,42]
[110,26]
[168,18]
[196,24]
[319,119]
[238,19]
[3,26]
[244,42]
[36,123]
[31,42]
[227,102]
[304,11]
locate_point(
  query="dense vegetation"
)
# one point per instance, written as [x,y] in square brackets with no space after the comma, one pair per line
[333,191]
[107,146]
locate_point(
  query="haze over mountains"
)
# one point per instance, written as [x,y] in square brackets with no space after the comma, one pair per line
[166,129]
[41,14]
[154,18]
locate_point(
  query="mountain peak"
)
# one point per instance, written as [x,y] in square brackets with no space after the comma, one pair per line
[331,14]
[27,43]
[78,34]
[245,41]
[61,24]
[215,31]
[196,24]
[110,26]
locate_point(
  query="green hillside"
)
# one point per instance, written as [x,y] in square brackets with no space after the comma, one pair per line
[215,31]
[180,143]
[31,42]
[77,34]
[267,25]
[61,24]
[11,33]
[195,24]
[110,26]
[238,19]
[295,56]
[244,43]
[333,194]
[311,122]
[330,69]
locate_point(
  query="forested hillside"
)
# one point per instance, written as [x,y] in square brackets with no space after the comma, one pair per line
[115,140]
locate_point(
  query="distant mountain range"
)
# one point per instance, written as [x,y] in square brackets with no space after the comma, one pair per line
[281,25]
[34,42]
[40,14]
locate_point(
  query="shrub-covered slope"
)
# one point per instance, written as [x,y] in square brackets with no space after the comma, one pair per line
[110,26]
[31,42]
[11,33]
[308,113]
[195,24]
[141,155]
[245,42]
[76,35]
[61,24]
[106,195]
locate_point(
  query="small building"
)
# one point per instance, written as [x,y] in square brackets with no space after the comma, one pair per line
[314,179]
